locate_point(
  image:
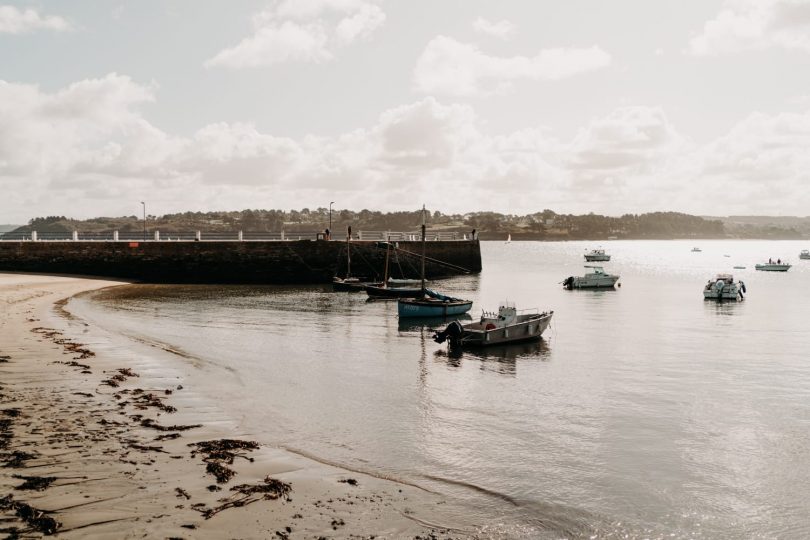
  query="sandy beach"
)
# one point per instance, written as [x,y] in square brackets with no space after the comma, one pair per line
[102,445]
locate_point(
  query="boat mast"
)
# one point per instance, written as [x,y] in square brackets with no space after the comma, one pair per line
[349,252]
[423,250]
[385,274]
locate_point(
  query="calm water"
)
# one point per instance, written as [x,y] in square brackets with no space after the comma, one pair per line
[644,412]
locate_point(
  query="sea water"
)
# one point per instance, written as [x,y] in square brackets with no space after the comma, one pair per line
[645,411]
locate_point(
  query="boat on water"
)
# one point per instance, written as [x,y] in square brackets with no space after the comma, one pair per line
[390,288]
[430,303]
[696,250]
[508,239]
[805,254]
[598,279]
[597,255]
[508,325]
[350,283]
[723,287]
[771,266]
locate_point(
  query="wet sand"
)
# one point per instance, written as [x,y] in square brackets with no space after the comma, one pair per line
[98,445]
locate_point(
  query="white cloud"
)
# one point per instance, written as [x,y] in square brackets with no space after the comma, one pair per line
[501,29]
[18,21]
[450,67]
[301,30]
[88,150]
[755,24]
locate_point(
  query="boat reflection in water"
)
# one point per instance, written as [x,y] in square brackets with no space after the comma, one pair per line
[430,323]
[501,359]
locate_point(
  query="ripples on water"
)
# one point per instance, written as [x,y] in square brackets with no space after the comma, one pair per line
[643,412]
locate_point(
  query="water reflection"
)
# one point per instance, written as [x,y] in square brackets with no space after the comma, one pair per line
[501,359]
[412,324]
[723,307]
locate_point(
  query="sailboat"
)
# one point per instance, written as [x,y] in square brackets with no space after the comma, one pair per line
[350,283]
[508,239]
[431,303]
[386,290]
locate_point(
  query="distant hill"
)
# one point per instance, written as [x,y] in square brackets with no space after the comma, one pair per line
[777,227]
[6,228]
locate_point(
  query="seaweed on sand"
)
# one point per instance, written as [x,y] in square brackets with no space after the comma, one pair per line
[217,453]
[269,489]
[33,517]
[35,483]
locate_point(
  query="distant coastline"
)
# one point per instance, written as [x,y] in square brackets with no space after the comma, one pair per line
[544,225]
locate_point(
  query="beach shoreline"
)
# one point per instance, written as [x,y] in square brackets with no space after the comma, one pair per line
[97,440]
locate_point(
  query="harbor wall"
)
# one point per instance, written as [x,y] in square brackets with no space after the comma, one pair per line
[305,261]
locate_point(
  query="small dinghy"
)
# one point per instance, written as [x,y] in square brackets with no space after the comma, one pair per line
[804,255]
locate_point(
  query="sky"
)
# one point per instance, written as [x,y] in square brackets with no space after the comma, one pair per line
[628,106]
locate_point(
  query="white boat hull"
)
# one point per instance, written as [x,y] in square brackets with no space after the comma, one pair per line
[729,292]
[773,267]
[596,282]
[597,258]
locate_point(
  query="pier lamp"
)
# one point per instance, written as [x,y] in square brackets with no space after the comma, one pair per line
[144,220]
[330,217]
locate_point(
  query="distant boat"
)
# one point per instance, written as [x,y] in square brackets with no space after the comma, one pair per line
[726,255]
[612,237]
[739,268]
[598,279]
[431,303]
[805,254]
[773,267]
[722,287]
[597,255]
[696,250]
[506,326]
[508,239]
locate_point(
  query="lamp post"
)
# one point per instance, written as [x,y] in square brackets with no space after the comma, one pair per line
[144,220]
[330,219]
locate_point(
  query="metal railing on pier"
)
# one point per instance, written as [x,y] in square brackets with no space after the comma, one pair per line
[234,236]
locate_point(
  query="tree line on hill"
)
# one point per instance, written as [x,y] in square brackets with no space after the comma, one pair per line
[545,225]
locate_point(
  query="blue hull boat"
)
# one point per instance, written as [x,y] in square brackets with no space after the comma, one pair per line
[432,304]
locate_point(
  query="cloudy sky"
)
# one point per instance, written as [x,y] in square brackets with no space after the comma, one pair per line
[701,106]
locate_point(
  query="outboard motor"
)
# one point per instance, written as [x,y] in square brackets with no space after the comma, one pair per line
[453,333]
[741,290]
[569,282]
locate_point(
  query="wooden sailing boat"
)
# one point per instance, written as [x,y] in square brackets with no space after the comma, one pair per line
[430,303]
[349,283]
[384,290]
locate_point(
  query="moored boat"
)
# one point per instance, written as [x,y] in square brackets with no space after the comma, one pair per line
[432,304]
[597,255]
[598,279]
[771,266]
[805,254]
[508,325]
[696,250]
[723,287]
[352,284]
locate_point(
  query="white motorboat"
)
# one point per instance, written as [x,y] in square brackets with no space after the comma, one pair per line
[723,287]
[598,279]
[507,326]
[771,266]
[597,255]
[696,250]
[805,254]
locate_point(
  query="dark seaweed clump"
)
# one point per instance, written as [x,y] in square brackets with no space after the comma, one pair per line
[34,518]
